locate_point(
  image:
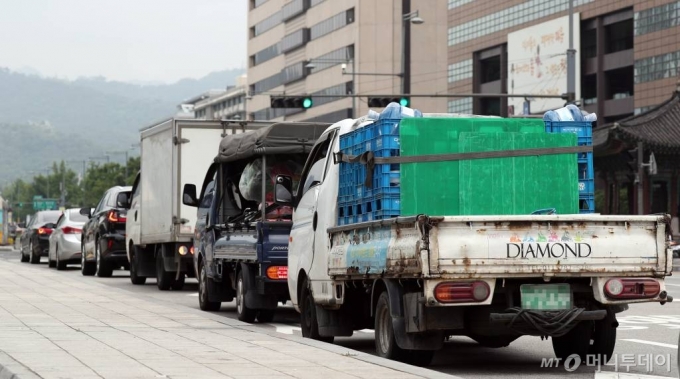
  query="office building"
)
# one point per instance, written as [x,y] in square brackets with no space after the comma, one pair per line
[627,54]
[219,104]
[340,47]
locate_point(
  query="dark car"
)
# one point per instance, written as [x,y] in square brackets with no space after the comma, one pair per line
[103,238]
[35,241]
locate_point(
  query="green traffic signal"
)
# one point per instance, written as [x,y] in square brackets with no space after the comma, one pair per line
[404,101]
[307,102]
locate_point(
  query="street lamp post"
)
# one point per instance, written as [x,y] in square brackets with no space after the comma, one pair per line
[415,19]
[311,65]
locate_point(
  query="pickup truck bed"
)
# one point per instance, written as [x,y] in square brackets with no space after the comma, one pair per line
[490,247]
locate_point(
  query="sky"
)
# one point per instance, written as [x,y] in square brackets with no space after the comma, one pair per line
[123,40]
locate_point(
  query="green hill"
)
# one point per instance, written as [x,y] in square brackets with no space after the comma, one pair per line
[43,119]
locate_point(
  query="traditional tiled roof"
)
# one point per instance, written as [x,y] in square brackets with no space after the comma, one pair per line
[658,128]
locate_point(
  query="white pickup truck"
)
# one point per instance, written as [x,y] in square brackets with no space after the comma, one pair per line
[420,279]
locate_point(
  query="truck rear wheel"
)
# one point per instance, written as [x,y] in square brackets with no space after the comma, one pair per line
[577,341]
[244,313]
[203,297]
[385,342]
[604,339]
[134,278]
[164,278]
[308,320]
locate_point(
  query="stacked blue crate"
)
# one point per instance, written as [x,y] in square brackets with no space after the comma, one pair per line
[382,138]
[346,186]
[357,202]
[586,173]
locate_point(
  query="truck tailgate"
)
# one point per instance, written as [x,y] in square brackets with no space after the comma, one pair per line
[569,245]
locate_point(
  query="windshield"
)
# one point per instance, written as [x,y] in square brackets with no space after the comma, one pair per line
[74,215]
[48,216]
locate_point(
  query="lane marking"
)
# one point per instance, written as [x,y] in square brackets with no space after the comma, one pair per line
[673,285]
[652,343]
[193,294]
[285,329]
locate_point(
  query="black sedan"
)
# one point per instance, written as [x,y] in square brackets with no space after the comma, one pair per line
[35,241]
[103,238]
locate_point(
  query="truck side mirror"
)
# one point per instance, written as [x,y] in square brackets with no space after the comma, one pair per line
[123,200]
[283,190]
[189,195]
[86,212]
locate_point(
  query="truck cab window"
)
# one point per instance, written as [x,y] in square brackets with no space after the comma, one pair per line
[207,197]
[313,172]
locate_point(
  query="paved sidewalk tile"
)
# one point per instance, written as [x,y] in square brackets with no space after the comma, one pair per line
[56,326]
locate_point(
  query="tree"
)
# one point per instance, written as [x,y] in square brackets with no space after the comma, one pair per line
[134,165]
[100,178]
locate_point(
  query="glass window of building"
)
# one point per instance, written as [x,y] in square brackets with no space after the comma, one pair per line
[618,36]
[490,69]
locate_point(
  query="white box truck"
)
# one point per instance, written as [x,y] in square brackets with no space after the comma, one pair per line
[160,228]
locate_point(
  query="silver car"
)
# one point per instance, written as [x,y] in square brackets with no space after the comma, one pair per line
[65,239]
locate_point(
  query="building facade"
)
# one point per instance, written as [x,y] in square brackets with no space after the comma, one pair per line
[340,47]
[628,52]
[229,104]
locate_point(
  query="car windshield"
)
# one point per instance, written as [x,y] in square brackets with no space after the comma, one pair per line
[48,216]
[74,215]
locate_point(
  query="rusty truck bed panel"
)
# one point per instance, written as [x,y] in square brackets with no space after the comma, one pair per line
[502,246]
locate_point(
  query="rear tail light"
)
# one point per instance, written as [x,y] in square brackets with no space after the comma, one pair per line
[277,272]
[44,231]
[632,288]
[71,230]
[466,292]
[115,216]
[183,250]
[191,250]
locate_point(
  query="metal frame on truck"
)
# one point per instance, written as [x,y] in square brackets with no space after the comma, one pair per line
[241,247]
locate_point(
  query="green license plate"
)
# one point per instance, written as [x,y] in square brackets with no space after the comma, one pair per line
[546,297]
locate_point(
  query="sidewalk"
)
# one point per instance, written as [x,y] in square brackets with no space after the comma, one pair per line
[54,325]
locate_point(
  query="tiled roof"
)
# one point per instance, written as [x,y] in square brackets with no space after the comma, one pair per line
[658,128]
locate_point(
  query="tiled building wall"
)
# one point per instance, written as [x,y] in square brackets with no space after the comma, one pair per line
[480,24]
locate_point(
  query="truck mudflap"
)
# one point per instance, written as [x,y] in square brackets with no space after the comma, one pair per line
[545,323]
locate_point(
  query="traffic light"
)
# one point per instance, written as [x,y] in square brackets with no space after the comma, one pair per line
[382,102]
[304,102]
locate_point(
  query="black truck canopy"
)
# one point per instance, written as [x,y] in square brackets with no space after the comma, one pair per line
[279,138]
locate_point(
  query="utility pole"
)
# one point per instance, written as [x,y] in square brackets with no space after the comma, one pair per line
[571,57]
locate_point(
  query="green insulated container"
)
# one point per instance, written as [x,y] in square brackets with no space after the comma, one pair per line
[518,185]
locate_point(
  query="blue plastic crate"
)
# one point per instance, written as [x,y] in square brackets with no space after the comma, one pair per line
[586,186]
[583,129]
[386,180]
[585,169]
[386,203]
[586,204]
[346,140]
